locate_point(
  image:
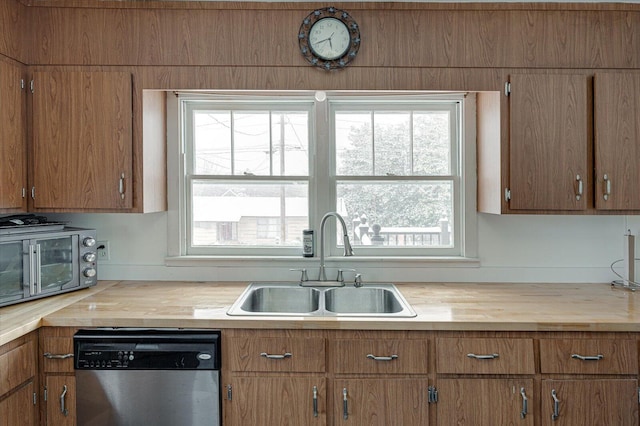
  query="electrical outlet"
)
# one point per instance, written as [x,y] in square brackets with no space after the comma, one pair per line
[102,248]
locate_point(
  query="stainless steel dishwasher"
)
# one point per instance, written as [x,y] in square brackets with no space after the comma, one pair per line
[157,377]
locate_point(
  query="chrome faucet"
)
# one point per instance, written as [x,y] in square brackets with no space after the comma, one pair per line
[348,251]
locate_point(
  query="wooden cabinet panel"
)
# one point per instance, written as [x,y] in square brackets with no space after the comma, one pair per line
[82,140]
[548,142]
[381,402]
[379,356]
[485,402]
[19,408]
[589,402]
[60,400]
[13,149]
[484,356]
[282,401]
[17,366]
[588,356]
[277,354]
[617,140]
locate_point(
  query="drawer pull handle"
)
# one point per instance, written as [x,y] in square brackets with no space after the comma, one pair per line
[276,356]
[57,356]
[556,405]
[382,358]
[525,404]
[490,356]
[63,409]
[587,358]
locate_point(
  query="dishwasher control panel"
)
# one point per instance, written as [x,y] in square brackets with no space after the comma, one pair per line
[147,349]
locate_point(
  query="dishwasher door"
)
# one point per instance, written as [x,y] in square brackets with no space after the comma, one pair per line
[140,377]
[148,397]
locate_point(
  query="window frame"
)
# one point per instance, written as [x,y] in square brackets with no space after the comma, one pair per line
[322,187]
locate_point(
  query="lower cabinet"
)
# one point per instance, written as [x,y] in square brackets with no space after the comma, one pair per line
[589,402]
[18,378]
[57,376]
[291,401]
[380,402]
[485,402]
[60,398]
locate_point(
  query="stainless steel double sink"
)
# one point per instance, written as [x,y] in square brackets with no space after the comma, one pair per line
[291,299]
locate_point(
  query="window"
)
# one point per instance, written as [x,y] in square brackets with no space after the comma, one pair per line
[260,168]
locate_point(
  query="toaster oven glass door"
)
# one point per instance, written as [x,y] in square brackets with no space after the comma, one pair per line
[14,267]
[56,263]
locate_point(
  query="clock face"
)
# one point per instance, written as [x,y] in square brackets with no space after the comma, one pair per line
[329,38]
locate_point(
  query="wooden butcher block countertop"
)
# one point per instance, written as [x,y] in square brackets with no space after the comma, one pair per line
[439,306]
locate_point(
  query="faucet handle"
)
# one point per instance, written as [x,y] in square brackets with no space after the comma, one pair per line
[357,281]
[340,277]
[303,276]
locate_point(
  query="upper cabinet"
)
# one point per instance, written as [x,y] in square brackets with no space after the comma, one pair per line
[568,144]
[548,142]
[82,144]
[13,170]
[617,143]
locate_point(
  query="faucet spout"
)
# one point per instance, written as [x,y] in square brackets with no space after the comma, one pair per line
[348,250]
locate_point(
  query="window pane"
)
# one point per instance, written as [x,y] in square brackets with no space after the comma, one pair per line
[212,142]
[354,148]
[291,136]
[251,143]
[432,143]
[398,214]
[392,143]
[251,214]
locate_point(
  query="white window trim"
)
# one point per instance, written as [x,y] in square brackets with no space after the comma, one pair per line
[175,192]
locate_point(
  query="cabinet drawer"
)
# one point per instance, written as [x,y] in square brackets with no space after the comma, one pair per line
[57,354]
[17,366]
[592,356]
[485,356]
[275,354]
[378,356]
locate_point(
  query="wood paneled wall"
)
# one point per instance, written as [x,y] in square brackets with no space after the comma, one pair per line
[404,46]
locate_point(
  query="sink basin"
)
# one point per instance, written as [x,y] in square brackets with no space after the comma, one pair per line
[362,300]
[281,299]
[290,299]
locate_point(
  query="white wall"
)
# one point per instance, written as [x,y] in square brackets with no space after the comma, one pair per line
[511,248]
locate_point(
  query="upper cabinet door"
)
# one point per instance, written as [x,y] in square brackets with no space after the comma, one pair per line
[13,170]
[617,147]
[82,141]
[549,140]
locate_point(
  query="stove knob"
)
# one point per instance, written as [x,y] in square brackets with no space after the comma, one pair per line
[89,272]
[89,257]
[89,242]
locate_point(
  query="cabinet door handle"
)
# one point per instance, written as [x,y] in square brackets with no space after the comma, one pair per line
[587,358]
[556,405]
[121,188]
[315,401]
[489,356]
[382,358]
[345,405]
[276,356]
[525,404]
[63,409]
[580,188]
[607,187]
[57,356]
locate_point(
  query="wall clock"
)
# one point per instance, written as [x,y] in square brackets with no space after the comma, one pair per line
[329,38]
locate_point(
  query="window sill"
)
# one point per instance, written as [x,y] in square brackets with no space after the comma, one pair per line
[335,261]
